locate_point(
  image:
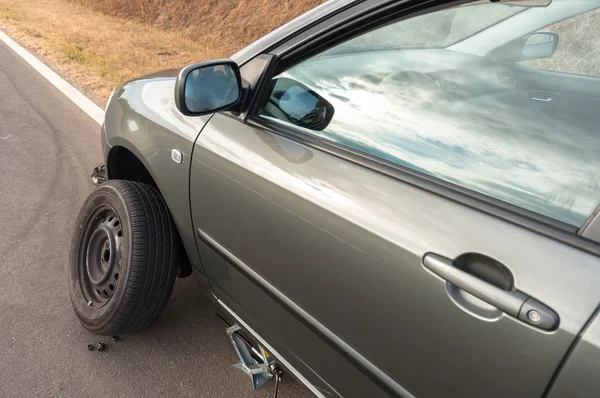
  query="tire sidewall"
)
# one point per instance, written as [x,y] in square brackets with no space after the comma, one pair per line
[96,318]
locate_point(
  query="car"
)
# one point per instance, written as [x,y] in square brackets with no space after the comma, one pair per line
[382,198]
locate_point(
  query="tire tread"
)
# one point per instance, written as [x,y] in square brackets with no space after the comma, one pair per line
[153,259]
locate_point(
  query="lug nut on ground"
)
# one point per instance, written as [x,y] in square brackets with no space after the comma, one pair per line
[100,346]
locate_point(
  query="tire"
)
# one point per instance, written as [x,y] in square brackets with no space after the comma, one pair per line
[123,260]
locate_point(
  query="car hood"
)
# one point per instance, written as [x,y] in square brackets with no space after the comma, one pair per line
[150,98]
[163,73]
[159,75]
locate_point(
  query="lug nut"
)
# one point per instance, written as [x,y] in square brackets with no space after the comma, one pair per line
[90,347]
[100,346]
[115,338]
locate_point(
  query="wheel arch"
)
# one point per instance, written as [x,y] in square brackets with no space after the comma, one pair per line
[125,162]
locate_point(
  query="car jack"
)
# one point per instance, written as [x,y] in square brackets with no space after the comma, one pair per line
[260,367]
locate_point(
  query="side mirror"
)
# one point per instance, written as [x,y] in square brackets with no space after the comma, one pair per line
[295,103]
[540,45]
[208,87]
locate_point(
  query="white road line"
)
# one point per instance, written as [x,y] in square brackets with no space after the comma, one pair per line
[93,110]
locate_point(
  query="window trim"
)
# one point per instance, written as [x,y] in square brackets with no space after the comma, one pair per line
[362,18]
[591,228]
[306,45]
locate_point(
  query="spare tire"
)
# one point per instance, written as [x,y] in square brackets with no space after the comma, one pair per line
[123,258]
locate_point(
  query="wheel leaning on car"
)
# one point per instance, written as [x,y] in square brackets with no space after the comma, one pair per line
[123,259]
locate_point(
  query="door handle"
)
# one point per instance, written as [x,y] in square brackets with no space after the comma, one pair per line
[512,302]
[541,96]
[541,99]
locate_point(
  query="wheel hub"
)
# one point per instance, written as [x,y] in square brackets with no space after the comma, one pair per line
[103,260]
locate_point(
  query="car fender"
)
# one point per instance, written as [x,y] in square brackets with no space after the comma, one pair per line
[142,118]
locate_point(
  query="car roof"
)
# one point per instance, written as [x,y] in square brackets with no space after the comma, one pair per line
[295,26]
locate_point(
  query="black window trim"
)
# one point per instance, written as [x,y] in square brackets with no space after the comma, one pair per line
[289,54]
[362,18]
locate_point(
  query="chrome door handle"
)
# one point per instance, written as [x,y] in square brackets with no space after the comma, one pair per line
[541,99]
[512,302]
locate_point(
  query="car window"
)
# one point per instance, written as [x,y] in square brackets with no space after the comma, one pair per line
[578,50]
[436,30]
[456,116]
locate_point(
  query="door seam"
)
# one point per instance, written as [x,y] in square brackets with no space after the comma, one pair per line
[570,350]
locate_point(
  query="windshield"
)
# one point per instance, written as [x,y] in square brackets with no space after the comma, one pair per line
[435,30]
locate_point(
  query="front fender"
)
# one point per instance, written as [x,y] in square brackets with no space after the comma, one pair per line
[142,117]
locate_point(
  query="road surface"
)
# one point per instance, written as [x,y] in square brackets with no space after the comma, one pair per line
[48,148]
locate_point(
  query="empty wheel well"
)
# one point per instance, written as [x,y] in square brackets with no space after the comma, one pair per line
[122,164]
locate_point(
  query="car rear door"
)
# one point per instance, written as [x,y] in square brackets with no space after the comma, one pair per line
[566,87]
[569,100]
[398,250]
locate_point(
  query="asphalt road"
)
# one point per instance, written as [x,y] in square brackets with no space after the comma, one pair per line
[48,148]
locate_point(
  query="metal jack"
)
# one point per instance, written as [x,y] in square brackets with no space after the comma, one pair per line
[260,373]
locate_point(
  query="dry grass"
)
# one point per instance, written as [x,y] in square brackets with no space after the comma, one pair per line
[98,50]
[224,26]
[578,50]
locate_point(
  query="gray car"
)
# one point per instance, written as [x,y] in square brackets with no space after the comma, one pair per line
[383,198]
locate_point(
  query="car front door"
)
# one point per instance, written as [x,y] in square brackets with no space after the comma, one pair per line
[384,233]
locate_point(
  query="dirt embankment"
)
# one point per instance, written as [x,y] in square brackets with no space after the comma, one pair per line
[225,26]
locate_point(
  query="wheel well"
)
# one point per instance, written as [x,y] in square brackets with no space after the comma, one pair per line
[122,164]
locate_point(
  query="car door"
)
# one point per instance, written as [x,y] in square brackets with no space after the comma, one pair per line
[383,243]
[565,86]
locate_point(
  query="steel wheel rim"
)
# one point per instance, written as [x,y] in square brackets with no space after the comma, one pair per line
[101,258]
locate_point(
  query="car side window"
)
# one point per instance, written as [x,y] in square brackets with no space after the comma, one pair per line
[441,94]
[578,51]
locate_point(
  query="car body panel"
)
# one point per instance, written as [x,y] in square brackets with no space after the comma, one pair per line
[578,377]
[142,117]
[324,368]
[345,243]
